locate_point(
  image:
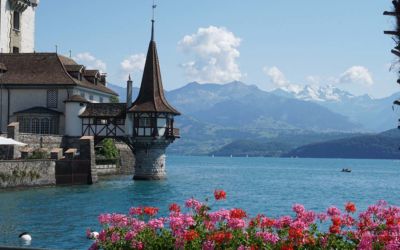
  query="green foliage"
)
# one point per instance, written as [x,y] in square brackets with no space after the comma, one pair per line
[108,150]
[114,99]
[39,155]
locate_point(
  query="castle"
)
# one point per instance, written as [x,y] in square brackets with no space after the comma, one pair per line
[47,93]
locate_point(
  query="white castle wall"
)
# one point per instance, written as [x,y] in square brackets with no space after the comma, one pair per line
[27,28]
[73,124]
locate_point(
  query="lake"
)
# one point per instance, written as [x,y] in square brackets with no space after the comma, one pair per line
[57,217]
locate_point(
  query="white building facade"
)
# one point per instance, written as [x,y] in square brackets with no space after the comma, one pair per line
[17,26]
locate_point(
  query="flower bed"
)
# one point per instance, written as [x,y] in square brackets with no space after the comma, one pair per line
[200,228]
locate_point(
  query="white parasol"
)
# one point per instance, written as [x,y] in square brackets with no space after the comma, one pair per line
[10,142]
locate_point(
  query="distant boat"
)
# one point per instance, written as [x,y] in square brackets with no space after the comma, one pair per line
[346,170]
[231,156]
[212,156]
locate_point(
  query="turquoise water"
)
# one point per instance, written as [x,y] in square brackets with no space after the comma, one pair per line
[57,217]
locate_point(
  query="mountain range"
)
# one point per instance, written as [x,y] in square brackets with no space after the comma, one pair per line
[216,117]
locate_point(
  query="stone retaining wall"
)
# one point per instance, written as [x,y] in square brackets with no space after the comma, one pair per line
[107,169]
[36,141]
[27,173]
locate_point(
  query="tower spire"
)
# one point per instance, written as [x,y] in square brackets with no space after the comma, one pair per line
[154,6]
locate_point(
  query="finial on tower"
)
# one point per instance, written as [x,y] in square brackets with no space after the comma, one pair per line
[154,6]
[129,78]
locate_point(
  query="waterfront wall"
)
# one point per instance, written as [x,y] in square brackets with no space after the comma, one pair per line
[107,169]
[27,173]
[127,158]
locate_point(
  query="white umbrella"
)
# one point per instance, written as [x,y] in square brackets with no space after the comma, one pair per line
[10,142]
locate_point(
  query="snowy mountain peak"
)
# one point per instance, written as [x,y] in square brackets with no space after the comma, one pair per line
[328,93]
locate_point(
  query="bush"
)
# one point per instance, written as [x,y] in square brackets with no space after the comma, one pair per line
[39,154]
[108,150]
[376,228]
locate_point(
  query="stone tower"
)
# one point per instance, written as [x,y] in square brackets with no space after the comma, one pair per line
[152,119]
[17,26]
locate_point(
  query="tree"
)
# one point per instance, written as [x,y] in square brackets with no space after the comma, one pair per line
[108,149]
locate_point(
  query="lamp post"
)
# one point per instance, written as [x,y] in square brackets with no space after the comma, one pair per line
[3,70]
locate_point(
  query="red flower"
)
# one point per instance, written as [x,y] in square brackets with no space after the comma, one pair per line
[336,221]
[190,235]
[350,207]
[334,229]
[221,237]
[150,211]
[287,247]
[237,213]
[220,195]
[295,233]
[267,222]
[174,208]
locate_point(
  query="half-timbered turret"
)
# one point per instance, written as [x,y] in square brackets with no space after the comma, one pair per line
[153,120]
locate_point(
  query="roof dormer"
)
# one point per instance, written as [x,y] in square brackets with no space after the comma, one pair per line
[93,76]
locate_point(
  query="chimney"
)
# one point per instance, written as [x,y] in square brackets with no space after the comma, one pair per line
[103,79]
[129,92]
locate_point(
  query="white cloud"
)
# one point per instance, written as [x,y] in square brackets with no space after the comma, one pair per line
[214,51]
[356,75]
[276,76]
[278,79]
[132,65]
[90,61]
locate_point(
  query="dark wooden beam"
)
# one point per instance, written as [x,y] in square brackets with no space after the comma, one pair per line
[391,13]
[396,52]
[396,33]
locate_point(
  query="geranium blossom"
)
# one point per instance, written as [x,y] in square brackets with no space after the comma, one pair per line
[378,227]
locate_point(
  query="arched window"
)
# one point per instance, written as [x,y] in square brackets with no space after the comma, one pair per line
[35,126]
[45,126]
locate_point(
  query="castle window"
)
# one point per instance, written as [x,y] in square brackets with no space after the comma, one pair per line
[16,23]
[45,126]
[35,126]
[52,98]
[15,50]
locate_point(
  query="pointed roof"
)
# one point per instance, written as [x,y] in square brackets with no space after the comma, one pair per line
[151,96]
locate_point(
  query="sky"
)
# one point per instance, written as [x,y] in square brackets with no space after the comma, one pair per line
[268,43]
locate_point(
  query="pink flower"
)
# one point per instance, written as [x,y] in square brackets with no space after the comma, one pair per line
[103,235]
[130,235]
[268,237]
[298,209]
[322,217]
[219,216]
[236,223]
[194,204]
[283,221]
[94,246]
[137,245]
[115,237]
[366,241]
[208,245]
[156,224]
[104,218]
[136,211]
[333,211]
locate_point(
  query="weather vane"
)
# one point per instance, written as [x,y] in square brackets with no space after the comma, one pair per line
[154,8]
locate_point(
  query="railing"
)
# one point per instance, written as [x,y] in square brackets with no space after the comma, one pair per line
[172,133]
